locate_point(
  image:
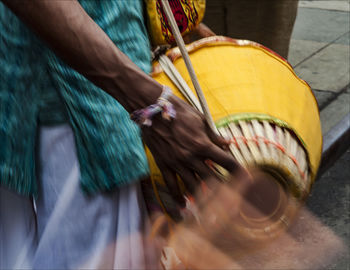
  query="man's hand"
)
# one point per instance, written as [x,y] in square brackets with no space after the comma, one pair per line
[204,31]
[183,146]
[201,31]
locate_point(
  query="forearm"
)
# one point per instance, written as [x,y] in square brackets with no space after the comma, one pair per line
[82,44]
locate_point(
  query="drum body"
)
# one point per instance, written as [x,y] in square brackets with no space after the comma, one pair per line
[269,114]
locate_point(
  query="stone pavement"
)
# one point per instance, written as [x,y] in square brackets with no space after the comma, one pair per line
[320,54]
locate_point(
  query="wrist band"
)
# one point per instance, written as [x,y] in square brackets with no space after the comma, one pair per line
[163,105]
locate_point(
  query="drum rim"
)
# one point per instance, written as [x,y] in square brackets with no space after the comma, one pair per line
[280,188]
[174,53]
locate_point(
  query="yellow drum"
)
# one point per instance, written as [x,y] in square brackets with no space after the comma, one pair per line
[188,14]
[270,115]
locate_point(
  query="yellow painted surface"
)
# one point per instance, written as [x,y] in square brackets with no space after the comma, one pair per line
[241,80]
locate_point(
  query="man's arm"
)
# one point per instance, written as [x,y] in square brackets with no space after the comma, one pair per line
[179,147]
[82,44]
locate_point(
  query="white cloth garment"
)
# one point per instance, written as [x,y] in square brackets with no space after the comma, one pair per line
[74,231]
[17,231]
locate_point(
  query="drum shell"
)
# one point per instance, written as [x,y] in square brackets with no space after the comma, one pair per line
[243,82]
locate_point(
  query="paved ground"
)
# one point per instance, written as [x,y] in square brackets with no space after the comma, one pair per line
[329,202]
[320,54]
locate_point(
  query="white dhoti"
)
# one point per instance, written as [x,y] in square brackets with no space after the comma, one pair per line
[17,231]
[104,231]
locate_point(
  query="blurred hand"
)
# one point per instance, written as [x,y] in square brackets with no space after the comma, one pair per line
[201,31]
[204,31]
[212,243]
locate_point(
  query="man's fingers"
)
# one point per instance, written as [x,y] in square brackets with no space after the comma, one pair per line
[213,136]
[170,180]
[221,157]
[189,178]
[204,31]
[168,173]
[205,173]
[216,138]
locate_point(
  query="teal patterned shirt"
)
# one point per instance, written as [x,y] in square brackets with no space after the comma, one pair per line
[37,88]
